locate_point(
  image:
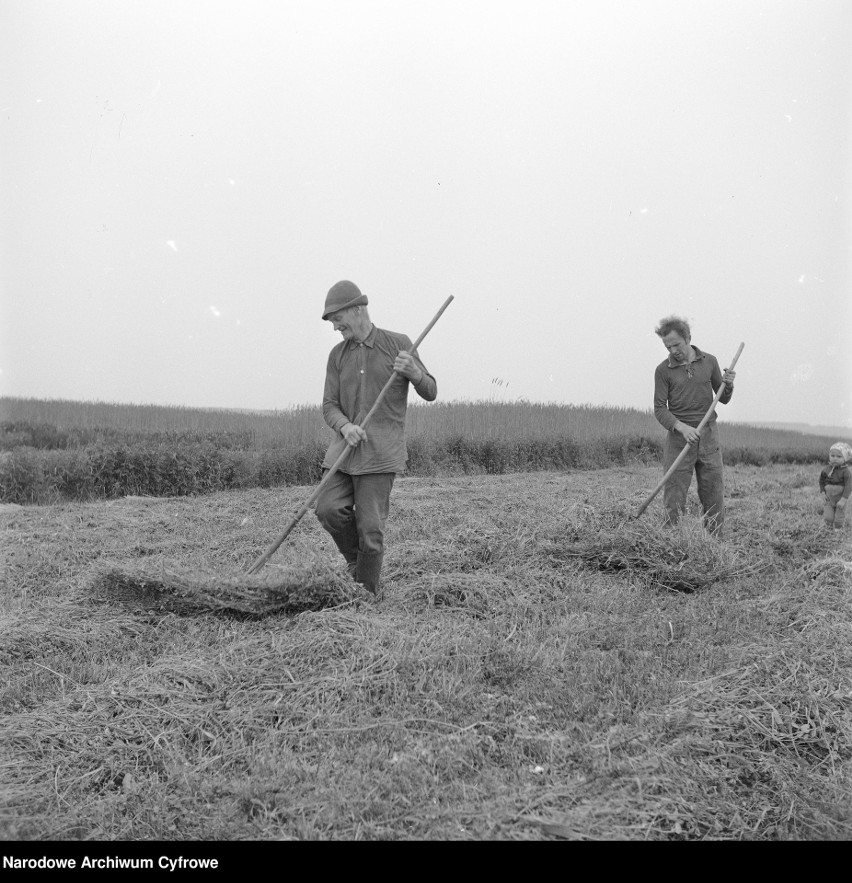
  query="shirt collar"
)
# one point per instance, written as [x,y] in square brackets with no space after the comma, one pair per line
[698,357]
[369,340]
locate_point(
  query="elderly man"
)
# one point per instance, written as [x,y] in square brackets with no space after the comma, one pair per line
[354,506]
[684,387]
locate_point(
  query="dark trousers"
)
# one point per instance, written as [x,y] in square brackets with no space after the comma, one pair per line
[354,509]
[705,459]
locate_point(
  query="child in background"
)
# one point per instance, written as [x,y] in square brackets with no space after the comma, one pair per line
[835,482]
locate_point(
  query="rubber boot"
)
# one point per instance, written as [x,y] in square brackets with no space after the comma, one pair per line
[369,569]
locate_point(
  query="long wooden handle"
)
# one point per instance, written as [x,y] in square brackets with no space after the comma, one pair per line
[256,566]
[719,392]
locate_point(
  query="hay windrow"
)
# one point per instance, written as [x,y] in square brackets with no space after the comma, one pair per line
[312,584]
[682,557]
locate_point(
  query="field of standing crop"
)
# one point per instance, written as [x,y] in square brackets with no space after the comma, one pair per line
[503,689]
[54,451]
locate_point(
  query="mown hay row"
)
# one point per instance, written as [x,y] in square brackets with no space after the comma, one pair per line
[313,584]
[682,557]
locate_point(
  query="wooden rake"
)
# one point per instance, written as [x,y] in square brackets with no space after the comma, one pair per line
[259,563]
[683,453]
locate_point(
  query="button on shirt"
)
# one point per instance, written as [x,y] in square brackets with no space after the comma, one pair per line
[685,392]
[355,375]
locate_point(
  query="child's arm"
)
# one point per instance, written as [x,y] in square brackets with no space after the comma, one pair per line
[847,485]
[822,482]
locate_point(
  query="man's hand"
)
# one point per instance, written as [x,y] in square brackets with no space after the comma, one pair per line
[406,365]
[353,434]
[690,433]
[728,377]
[841,503]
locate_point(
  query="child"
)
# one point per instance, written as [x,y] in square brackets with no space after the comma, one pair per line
[835,482]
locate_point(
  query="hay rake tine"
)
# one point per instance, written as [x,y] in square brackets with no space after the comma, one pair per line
[683,453]
[260,561]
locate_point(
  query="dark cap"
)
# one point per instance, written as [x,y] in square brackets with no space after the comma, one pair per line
[342,295]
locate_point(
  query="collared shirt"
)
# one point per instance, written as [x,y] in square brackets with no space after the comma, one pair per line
[355,375]
[685,391]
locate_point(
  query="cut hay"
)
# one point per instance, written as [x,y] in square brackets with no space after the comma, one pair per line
[804,542]
[295,588]
[757,750]
[476,593]
[682,557]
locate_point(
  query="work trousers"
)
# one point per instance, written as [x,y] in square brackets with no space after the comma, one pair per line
[354,509]
[705,459]
[831,512]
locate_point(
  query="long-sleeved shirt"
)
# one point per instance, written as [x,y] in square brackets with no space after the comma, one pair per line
[685,392]
[355,375]
[836,475]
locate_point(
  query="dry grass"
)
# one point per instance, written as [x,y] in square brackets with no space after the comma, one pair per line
[308,585]
[682,558]
[759,750]
[502,690]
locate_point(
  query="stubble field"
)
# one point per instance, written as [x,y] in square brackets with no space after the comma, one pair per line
[503,689]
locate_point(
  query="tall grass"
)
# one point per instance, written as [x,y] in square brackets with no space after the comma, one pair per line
[52,450]
[476,420]
[55,423]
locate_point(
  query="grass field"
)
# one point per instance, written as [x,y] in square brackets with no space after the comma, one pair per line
[52,451]
[502,690]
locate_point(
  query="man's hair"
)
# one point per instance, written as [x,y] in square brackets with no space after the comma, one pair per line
[673,323]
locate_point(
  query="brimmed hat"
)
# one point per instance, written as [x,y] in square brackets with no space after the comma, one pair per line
[342,295]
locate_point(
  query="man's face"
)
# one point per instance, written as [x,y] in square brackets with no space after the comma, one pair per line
[344,321]
[678,347]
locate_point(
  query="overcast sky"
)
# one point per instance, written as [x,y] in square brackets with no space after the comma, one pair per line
[183,181]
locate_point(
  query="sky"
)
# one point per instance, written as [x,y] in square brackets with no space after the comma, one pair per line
[182,181]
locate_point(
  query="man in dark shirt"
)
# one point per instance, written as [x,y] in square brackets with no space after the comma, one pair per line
[354,506]
[684,387]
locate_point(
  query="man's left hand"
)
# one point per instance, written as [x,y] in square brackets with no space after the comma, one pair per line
[728,377]
[406,365]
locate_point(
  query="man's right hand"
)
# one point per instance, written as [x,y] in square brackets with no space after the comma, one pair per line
[690,433]
[353,434]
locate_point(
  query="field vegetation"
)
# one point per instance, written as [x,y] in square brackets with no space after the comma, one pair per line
[511,685]
[52,451]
